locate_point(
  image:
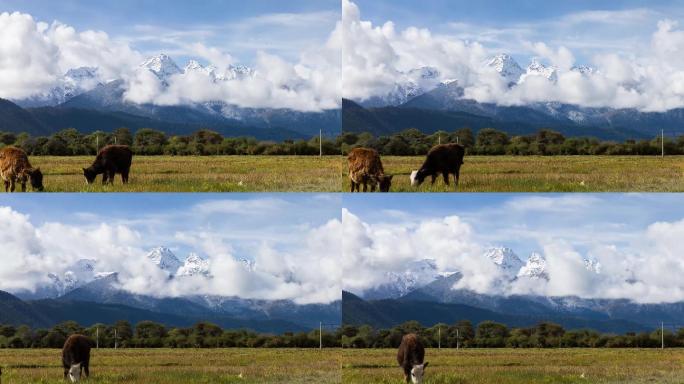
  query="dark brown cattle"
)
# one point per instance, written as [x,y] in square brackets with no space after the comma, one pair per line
[76,357]
[410,358]
[365,167]
[445,159]
[15,167]
[111,160]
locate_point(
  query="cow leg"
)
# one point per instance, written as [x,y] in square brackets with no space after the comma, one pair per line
[373,187]
[12,185]
[7,184]
[434,177]
[86,368]
[23,186]
[445,175]
[124,176]
[111,177]
[365,187]
[352,186]
[105,175]
[457,176]
[66,372]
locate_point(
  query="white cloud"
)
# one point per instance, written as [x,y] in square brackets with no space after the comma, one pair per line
[34,55]
[308,274]
[648,269]
[648,77]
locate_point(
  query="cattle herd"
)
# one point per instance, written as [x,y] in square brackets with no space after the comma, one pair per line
[16,168]
[365,167]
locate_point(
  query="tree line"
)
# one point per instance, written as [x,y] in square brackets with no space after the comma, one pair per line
[489,141]
[70,142]
[149,334]
[490,334]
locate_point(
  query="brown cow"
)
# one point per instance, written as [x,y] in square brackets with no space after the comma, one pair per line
[76,357]
[15,167]
[445,159]
[365,167]
[111,160]
[410,358]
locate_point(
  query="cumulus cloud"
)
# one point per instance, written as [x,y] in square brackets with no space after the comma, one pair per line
[648,270]
[34,55]
[376,57]
[308,274]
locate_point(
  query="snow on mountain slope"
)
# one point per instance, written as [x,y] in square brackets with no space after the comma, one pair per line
[162,66]
[506,260]
[507,67]
[534,268]
[73,83]
[416,275]
[165,259]
[194,266]
[538,69]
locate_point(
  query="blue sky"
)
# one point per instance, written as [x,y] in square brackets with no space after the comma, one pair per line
[586,27]
[241,221]
[521,221]
[240,28]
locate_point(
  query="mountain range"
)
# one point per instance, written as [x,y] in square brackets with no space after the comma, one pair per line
[87,295]
[430,297]
[419,100]
[81,99]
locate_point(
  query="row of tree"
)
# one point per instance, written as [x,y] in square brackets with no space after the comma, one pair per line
[489,334]
[489,141]
[70,142]
[148,334]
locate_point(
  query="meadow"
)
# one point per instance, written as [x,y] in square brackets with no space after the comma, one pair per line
[200,174]
[547,174]
[156,366]
[521,366]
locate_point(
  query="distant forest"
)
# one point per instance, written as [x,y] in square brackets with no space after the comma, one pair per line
[489,141]
[410,142]
[489,334]
[148,334]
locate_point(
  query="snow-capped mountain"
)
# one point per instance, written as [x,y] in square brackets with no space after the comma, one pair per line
[194,266]
[538,69]
[534,268]
[74,82]
[165,259]
[413,83]
[416,275]
[507,67]
[506,260]
[162,66]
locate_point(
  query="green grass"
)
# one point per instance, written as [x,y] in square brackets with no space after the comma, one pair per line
[152,366]
[200,174]
[521,366]
[547,174]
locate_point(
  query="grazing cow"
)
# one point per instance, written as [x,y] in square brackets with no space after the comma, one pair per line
[365,168]
[410,358]
[111,160]
[15,167]
[444,159]
[76,357]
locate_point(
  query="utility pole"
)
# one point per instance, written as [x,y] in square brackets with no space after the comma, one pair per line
[662,335]
[97,338]
[320,143]
[457,338]
[662,143]
[320,335]
[439,138]
[115,340]
[97,143]
[439,337]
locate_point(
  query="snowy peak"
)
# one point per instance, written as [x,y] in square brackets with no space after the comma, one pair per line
[162,66]
[506,259]
[417,274]
[534,268]
[538,69]
[165,259]
[507,67]
[194,266]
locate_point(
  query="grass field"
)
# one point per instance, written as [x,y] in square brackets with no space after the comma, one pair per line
[156,366]
[201,174]
[521,366]
[548,174]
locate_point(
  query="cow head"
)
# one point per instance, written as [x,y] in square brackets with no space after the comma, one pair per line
[36,178]
[417,177]
[89,174]
[75,373]
[417,373]
[385,182]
